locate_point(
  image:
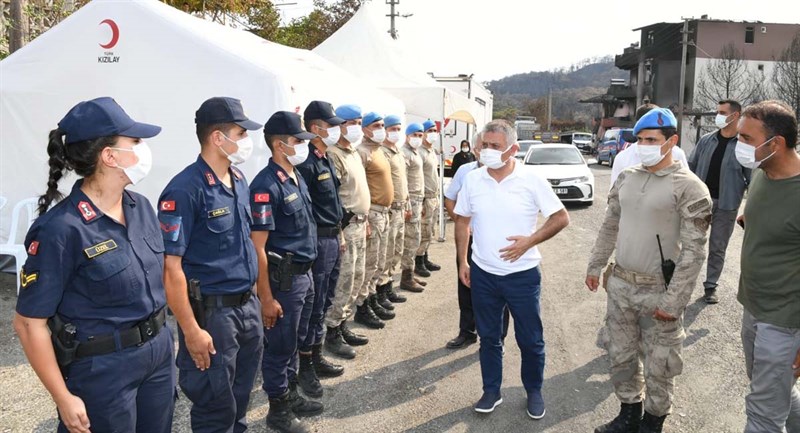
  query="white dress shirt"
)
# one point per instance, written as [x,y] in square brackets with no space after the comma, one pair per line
[458,180]
[629,157]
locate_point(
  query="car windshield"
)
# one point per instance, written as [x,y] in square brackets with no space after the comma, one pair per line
[582,137]
[554,156]
[523,146]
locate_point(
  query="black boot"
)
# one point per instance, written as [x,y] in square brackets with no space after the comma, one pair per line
[419,267]
[379,311]
[281,418]
[365,316]
[322,366]
[307,377]
[301,407]
[335,344]
[392,296]
[429,265]
[652,423]
[351,337]
[628,420]
[383,298]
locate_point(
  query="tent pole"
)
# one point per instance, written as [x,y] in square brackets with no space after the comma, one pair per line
[441,173]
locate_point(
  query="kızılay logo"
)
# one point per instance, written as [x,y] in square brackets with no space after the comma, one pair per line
[108,55]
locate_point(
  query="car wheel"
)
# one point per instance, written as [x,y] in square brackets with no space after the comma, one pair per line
[611,161]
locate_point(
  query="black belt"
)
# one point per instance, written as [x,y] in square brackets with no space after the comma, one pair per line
[294,267]
[139,334]
[219,301]
[328,231]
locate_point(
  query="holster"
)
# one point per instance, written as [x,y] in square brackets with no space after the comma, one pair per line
[346,217]
[196,302]
[65,343]
[279,271]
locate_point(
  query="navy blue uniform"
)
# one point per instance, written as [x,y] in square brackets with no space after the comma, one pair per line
[323,185]
[282,206]
[208,225]
[104,278]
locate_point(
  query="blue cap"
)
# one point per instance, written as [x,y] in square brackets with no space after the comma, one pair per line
[414,127]
[321,110]
[371,118]
[222,109]
[286,123]
[428,124]
[102,117]
[349,112]
[391,120]
[656,118]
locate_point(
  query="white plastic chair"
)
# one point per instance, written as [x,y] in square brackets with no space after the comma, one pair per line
[13,247]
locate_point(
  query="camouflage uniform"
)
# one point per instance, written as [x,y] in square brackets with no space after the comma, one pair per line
[415,196]
[397,214]
[430,205]
[674,204]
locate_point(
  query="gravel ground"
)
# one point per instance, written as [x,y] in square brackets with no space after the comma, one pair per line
[405,380]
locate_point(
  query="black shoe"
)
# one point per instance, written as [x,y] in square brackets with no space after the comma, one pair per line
[392,296]
[429,265]
[536,405]
[488,402]
[301,407]
[379,311]
[419,267]
[335,344]
[711,296]
[281,418]
[351,337]
[383,296]
[628,420]
[307,377]
[322,366]
[652,423]
[462,340]
[365,316]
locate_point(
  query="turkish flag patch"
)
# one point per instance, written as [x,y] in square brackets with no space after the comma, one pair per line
[261,198]
[167,205]
[33,248]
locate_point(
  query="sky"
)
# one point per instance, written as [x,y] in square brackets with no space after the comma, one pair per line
[496,38]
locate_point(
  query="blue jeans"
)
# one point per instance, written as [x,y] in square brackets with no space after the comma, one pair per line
[326,274]
[520,291]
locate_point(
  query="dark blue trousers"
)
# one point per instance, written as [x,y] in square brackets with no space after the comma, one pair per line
[279,363]
[132,390]
[466,319]
[220,394]
[520,291]
[326,274]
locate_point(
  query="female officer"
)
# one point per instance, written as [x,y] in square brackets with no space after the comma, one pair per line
[94,275]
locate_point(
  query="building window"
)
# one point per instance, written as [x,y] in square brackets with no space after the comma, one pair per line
[651,38]
[761,67]
[749,35]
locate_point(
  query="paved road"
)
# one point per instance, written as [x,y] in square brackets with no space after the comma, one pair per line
[405,380]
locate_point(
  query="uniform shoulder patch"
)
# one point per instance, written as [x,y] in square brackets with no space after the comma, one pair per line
[319,154]
[282,177]
[210,178]
[33,248]
[261,214]
[696,206]
[101,248]
[702,223]
[167,205]
[261,197]
[26,279]
[87,211]
[170,226]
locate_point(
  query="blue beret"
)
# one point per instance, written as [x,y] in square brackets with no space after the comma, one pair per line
[414,127]
[656,118]
[371,118]
[391,120]
[428,124]
[349,112]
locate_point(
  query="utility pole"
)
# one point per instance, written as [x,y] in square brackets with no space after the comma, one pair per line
[682,92]
[393,14]
[19,26]
[549,107]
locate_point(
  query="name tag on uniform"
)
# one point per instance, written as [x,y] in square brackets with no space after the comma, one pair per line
[324,176]
[101,248]
[219,212]
[292,197]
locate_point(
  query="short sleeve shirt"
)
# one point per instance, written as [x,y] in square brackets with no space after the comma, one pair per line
[323,186]
[89,269]
[208,225]
[458,180]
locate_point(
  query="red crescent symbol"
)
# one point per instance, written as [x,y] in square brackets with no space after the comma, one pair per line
[452,149]
[114,33]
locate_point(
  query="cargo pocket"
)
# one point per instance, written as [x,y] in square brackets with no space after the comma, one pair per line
[665,359]
[109,283]
[206,388]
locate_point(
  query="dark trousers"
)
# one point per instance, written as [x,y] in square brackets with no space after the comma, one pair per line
[279,363]
[325,273]
[466,321]
[221,393]
[520,291]
[132,390]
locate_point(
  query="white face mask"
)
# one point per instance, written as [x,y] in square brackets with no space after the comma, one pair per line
[650,155]
[333,136]
[415,142]
[493,158]
[721,121]
[378,135]
[393,136]
[465,149]
[138,171]
[432,137]
[354,134]
[300,153]
[245,150]
[746,154]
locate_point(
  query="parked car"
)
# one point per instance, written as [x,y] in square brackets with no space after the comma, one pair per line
[613,143]
[565,169]
[581,140]
[524,145]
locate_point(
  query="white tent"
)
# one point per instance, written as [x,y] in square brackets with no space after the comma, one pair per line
[365,49]
[160,64]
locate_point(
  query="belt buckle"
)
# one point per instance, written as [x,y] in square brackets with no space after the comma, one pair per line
[145,332]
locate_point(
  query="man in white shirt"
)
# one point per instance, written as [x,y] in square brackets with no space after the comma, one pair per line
[500,202]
